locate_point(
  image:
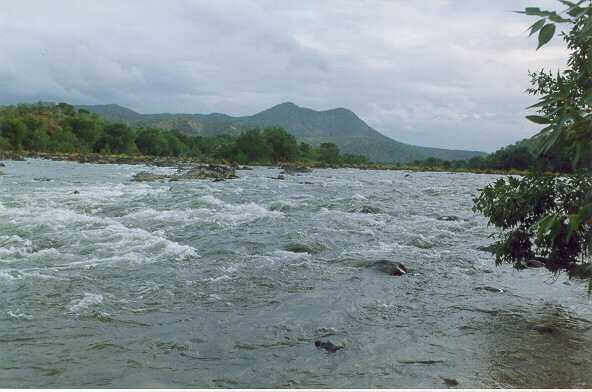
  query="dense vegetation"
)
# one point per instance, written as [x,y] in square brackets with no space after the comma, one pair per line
[515,157]
[63,129]
[550,217]
[520,156]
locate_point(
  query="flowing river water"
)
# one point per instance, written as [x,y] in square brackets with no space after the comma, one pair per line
[105,282]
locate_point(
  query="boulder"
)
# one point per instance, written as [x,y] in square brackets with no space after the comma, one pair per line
[2,164]
[451,382]
[328,346]
[393,268]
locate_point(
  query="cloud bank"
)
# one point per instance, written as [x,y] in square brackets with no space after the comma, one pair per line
[436,73]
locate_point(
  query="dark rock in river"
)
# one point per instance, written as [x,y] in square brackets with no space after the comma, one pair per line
[489,288]
[487,248]
[76,192]
[330,347]
[304,248]
[451,382]
[393,268]
[544,329]
[529,264]
[367,210]
[448,218]
[279,177]
[2,164]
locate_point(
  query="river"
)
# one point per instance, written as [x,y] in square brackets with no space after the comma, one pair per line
[105,282]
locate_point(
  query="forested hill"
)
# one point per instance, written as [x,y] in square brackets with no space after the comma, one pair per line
[340,126]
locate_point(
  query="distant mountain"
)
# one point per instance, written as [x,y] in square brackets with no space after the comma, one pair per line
[340,126]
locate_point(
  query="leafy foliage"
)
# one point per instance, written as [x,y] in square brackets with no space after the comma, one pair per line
[545,216]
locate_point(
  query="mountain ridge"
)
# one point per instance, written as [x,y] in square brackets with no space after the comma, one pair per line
[339,125]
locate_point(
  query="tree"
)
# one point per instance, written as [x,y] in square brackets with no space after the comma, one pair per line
[329,153]
[284,147]
[550,217]
[152,142]
[14,131]
[117,138]
[252,146]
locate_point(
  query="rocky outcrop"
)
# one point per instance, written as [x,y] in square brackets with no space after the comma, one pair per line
[200,172]
[147,176]
[11,156]
[292,168]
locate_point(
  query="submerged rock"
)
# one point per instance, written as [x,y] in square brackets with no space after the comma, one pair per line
[529,264]
[290,168]
[305,248]
[544,329]
[366,209]
[488,248]
[328,346]
[2,164]
[448,218]
[393,268]
[489,288]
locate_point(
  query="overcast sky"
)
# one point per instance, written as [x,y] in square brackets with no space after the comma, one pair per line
[430,72]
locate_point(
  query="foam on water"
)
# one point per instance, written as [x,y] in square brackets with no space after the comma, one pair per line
[89,300]
[245,302]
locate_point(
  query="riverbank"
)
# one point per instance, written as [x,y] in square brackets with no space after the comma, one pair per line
[171,161]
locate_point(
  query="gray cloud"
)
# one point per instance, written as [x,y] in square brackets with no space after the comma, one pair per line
[437,73]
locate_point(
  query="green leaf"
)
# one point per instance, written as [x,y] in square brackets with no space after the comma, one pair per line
[539,119]
[532,11]
[536,26]
[550,141]
[558,19]
[546,34]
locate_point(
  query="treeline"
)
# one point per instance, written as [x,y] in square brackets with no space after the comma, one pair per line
[60,128]
[514,157]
